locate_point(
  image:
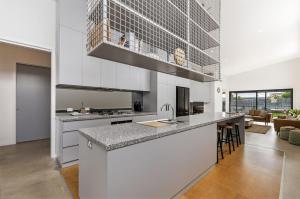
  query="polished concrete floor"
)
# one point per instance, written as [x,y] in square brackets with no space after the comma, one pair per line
[28,172]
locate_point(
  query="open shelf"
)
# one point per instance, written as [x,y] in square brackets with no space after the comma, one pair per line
[158,34]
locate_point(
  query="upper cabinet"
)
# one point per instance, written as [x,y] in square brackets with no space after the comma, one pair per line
[72,13]
[176,37]
[76,68]
[70,57]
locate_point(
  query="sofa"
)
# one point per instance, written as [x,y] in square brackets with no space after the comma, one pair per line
[260,116]
[285,122]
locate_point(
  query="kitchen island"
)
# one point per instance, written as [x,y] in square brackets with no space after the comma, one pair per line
[134,161]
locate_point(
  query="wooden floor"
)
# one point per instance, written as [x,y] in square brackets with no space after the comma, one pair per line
[248,173]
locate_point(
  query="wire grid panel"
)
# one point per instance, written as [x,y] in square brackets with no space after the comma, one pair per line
[161,12]
[200,38]
[201,17]
[181,5]
[155,28]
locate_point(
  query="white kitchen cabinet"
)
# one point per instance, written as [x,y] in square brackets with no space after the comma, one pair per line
[144,79]
[68,133]
[136,79]
[72,13]
[91,68]
[70,57]
[108,74]
[124,76]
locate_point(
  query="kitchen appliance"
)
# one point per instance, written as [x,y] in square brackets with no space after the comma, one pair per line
[196,108]
[182,101]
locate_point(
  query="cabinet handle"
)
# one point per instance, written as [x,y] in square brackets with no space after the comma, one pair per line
[90,144]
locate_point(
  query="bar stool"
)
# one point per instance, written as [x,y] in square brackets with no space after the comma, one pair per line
[236,135]
[229,138]
[219,145]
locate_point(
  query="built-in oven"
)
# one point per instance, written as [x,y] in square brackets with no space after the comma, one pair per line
[196,108]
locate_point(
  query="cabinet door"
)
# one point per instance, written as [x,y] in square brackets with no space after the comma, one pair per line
[70,57]
[124,77]
[108,74]
[144,80]
[135,78]
[72,13]
[91,68]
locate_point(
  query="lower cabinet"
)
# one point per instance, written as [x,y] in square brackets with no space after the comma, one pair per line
[68,133]
[68,139]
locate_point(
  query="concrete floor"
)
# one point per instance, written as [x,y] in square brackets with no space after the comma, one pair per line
[28,172]
[291,179]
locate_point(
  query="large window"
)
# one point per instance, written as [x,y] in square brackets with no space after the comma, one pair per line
[270,100]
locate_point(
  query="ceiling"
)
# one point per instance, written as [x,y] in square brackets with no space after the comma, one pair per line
[257,33]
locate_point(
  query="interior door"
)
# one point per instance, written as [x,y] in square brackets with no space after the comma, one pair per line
[33,103]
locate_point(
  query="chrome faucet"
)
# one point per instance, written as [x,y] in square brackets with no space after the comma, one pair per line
[168,108]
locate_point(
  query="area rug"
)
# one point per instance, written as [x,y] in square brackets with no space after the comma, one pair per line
[261,129]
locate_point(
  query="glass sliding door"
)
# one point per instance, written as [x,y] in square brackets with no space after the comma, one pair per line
[261,100]
[279,101]
[275,101]
[245,102]
[232,102]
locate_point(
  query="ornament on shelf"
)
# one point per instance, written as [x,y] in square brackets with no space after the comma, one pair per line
[179,56]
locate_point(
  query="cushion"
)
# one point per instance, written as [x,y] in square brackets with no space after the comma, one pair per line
[251,112]
[294,137]
[258,117]
[256,112]
[263,113]
[285,132]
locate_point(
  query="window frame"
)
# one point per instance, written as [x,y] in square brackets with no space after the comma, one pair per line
[260,91]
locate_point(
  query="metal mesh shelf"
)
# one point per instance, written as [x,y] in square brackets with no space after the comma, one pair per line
[202,17]
[153,30]
[200,38]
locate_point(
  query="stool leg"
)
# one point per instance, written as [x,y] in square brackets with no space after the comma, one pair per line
[237,136]
[228,140]
[232,140]
[217,149]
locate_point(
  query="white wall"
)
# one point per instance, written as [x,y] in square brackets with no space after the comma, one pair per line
[10,55]
[31,23]
[95,99]
[278,76]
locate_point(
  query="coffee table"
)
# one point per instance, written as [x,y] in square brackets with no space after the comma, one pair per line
[248,122]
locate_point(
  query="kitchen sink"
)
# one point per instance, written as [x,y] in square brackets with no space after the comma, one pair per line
[171,121]
[160,123]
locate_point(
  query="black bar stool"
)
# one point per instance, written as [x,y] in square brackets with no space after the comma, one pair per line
[219,145]
[236,135]
[229,138]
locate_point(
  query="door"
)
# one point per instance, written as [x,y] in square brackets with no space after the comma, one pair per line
[33,103]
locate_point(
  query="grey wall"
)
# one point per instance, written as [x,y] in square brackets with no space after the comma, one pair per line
[95,99]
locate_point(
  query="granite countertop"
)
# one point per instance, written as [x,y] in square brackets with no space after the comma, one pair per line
[64,117]
[122,135]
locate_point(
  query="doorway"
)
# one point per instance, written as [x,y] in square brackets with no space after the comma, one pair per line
[33,121]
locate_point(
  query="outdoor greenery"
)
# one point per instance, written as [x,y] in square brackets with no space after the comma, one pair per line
[294,112]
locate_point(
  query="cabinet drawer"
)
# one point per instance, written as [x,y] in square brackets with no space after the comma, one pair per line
[70,138]
[70,154]
[76,125]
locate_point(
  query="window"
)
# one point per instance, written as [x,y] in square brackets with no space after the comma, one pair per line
[271,100]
